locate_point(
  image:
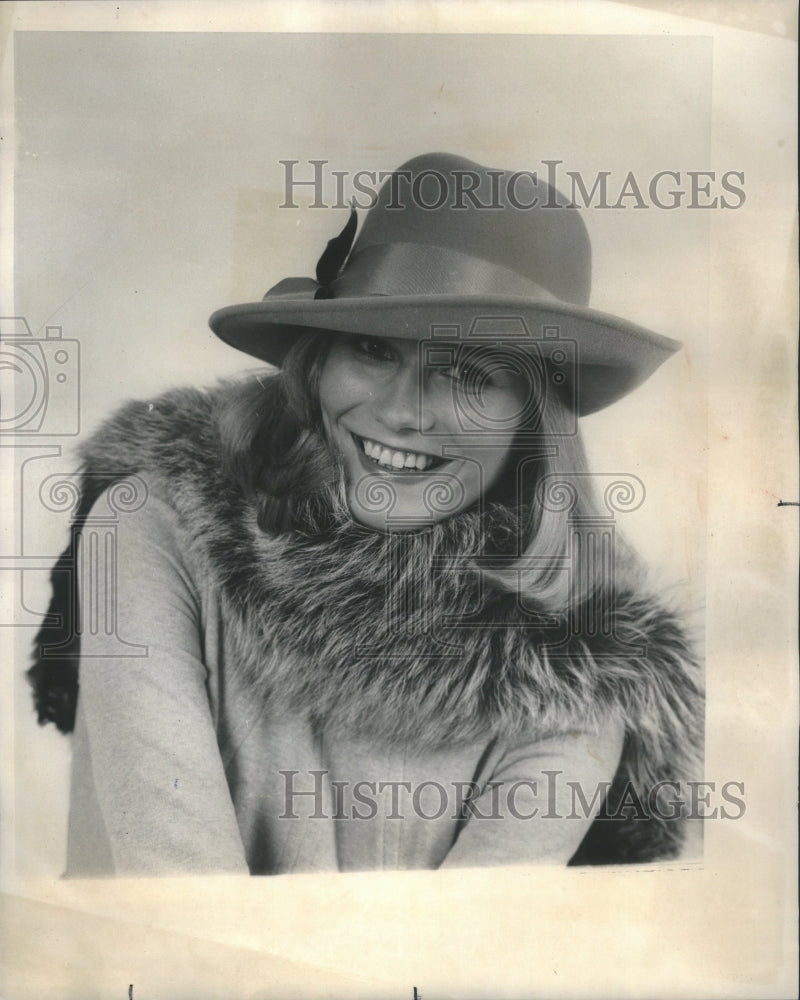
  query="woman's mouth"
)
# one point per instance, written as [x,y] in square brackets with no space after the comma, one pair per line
[394,460]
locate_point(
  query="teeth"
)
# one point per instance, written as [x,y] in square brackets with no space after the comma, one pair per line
[395,459]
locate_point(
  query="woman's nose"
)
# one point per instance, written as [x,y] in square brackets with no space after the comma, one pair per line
[402,405]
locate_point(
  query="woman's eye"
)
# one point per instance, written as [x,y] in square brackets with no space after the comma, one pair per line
[471,374]
[476,375]
[374,348]
[467,377]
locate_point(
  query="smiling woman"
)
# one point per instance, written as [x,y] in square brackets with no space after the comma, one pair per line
[392,414]
[385,622]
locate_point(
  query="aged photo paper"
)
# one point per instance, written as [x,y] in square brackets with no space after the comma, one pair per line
[161,160]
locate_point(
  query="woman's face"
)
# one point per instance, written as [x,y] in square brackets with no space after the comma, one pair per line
[424,428]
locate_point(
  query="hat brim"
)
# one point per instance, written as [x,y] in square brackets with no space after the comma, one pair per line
[612,356]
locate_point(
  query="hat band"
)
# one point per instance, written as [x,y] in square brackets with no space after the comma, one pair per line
[420,269]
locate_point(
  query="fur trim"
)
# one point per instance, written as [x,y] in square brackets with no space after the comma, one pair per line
[392,635]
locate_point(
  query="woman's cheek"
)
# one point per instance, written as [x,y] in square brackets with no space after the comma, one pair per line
[338,390]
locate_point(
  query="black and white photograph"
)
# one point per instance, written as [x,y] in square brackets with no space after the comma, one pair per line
[399,423]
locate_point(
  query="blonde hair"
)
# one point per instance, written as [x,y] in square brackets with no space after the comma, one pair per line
[554,493]
[275,449]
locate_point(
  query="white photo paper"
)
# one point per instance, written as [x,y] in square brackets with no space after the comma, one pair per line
[164,161]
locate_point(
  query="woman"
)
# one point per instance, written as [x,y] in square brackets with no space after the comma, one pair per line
[376,631]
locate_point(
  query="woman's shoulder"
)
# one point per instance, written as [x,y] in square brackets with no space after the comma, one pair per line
[157,470]
[171,446]
[168,428]
[139,504]
[141,533]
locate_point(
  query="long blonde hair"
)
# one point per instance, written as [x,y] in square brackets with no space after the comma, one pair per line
[275,449]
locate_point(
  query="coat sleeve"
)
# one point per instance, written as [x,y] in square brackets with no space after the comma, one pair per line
[539,800]
[149,794]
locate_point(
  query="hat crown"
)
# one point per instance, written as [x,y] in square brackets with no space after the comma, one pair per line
[450,244]
[511,219]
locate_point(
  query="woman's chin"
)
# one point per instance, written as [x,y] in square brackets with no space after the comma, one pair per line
[393,522]
[408,501]
[391,511]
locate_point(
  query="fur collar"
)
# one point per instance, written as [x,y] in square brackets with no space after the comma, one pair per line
[367,631]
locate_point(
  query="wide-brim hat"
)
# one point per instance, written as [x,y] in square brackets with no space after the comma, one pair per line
[454,250]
